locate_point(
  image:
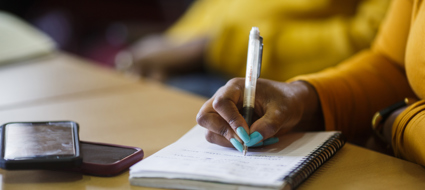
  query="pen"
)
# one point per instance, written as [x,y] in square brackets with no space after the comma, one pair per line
[253,68]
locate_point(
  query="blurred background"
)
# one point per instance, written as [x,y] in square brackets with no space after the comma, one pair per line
[97,29]
[198,45]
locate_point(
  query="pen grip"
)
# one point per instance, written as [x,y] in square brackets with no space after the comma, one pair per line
[247,113]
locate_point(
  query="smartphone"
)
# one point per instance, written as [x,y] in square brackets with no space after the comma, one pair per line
[40,145]
[102,159]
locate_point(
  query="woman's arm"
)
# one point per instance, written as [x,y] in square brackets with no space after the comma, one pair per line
[353,91]
[408,132]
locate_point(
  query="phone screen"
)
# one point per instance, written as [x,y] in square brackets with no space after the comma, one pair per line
[38,140]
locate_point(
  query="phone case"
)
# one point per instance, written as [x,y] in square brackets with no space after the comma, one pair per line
[102,159]
[47,157]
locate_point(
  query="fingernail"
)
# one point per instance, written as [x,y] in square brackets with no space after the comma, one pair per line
[236,144]
[242,134]
[255,138]
[270,141]
[257,145]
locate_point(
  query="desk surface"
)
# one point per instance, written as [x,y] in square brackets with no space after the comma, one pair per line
[151,116]
[50,77]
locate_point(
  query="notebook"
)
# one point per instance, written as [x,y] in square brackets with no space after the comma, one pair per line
[194,163]
[19,40]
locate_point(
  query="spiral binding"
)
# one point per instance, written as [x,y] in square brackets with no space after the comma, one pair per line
[313,161]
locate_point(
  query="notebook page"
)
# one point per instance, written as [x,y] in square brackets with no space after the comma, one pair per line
[192,157]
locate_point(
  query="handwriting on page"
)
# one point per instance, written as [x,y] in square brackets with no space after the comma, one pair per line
[192,157]
[204,162]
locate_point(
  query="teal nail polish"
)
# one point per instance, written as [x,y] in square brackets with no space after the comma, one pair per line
[236,144]
[258,144]
[255,138]
[242,134]
[270,141]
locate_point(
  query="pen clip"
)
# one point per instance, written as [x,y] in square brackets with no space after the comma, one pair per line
[260,56]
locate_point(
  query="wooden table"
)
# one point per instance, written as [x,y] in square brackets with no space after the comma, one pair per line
[50,77]
[113,109]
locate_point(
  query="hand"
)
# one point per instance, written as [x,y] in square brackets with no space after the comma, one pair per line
[382,143]
[389,122]
[388,125]
[279,108]
[157,57]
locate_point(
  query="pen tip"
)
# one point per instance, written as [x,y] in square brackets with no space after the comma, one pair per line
[245,150]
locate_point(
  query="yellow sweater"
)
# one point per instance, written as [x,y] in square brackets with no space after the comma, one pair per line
[393,69]
[300,36]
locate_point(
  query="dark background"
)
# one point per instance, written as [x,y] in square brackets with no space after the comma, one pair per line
[97,29]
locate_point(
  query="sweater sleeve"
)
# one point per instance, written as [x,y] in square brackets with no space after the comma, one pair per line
[407,135]
[299,36]
[353,91]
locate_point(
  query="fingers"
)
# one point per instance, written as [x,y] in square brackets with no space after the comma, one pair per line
[209,119]
[227,102]
[220,115]
[274,120]
[219,131]
[280,115]
[217,139]
[266,126]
